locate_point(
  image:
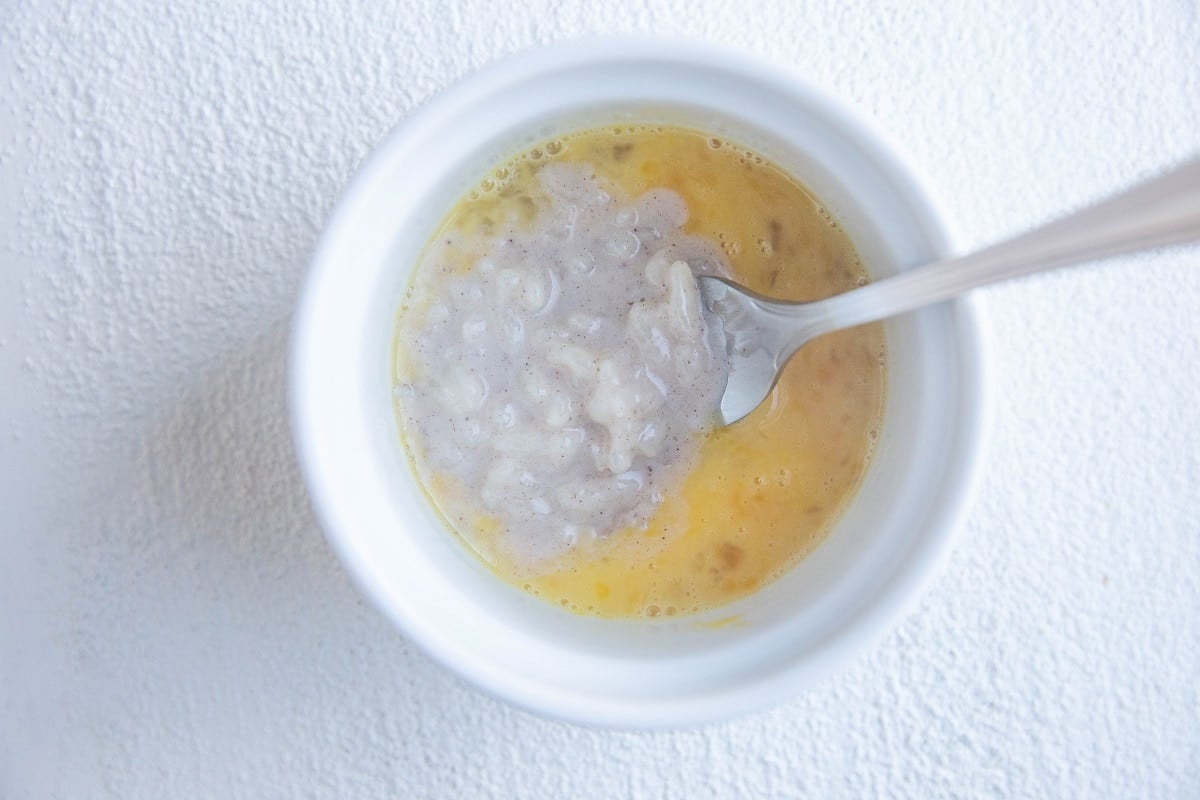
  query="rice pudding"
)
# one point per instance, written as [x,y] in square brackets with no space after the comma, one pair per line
[565,379]
[556,383]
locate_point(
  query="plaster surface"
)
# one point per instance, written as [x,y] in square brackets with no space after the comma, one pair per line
[172,623]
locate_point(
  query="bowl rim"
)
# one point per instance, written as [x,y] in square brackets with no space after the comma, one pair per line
[944,521]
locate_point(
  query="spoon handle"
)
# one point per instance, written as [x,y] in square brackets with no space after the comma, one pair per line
[1162,211]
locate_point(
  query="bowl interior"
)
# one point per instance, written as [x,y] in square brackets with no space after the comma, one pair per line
[632,673]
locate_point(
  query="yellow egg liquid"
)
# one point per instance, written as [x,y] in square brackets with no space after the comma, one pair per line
[767,489]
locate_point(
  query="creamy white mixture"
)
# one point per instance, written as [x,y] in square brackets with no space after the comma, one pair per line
[566,379]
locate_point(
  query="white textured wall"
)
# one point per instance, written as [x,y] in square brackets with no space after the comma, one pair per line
[172,623]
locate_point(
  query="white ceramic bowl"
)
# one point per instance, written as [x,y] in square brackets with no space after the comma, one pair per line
[643,673]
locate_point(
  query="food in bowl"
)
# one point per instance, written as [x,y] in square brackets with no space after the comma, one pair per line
[632,672]
[556,382]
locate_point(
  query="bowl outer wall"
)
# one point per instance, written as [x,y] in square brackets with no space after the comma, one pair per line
[873,619]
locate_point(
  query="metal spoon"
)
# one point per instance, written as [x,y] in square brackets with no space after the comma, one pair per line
[762,334]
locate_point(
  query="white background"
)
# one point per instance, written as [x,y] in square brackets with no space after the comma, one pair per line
[172,623]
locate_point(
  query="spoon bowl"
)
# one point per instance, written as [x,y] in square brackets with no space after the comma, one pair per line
[761,335]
